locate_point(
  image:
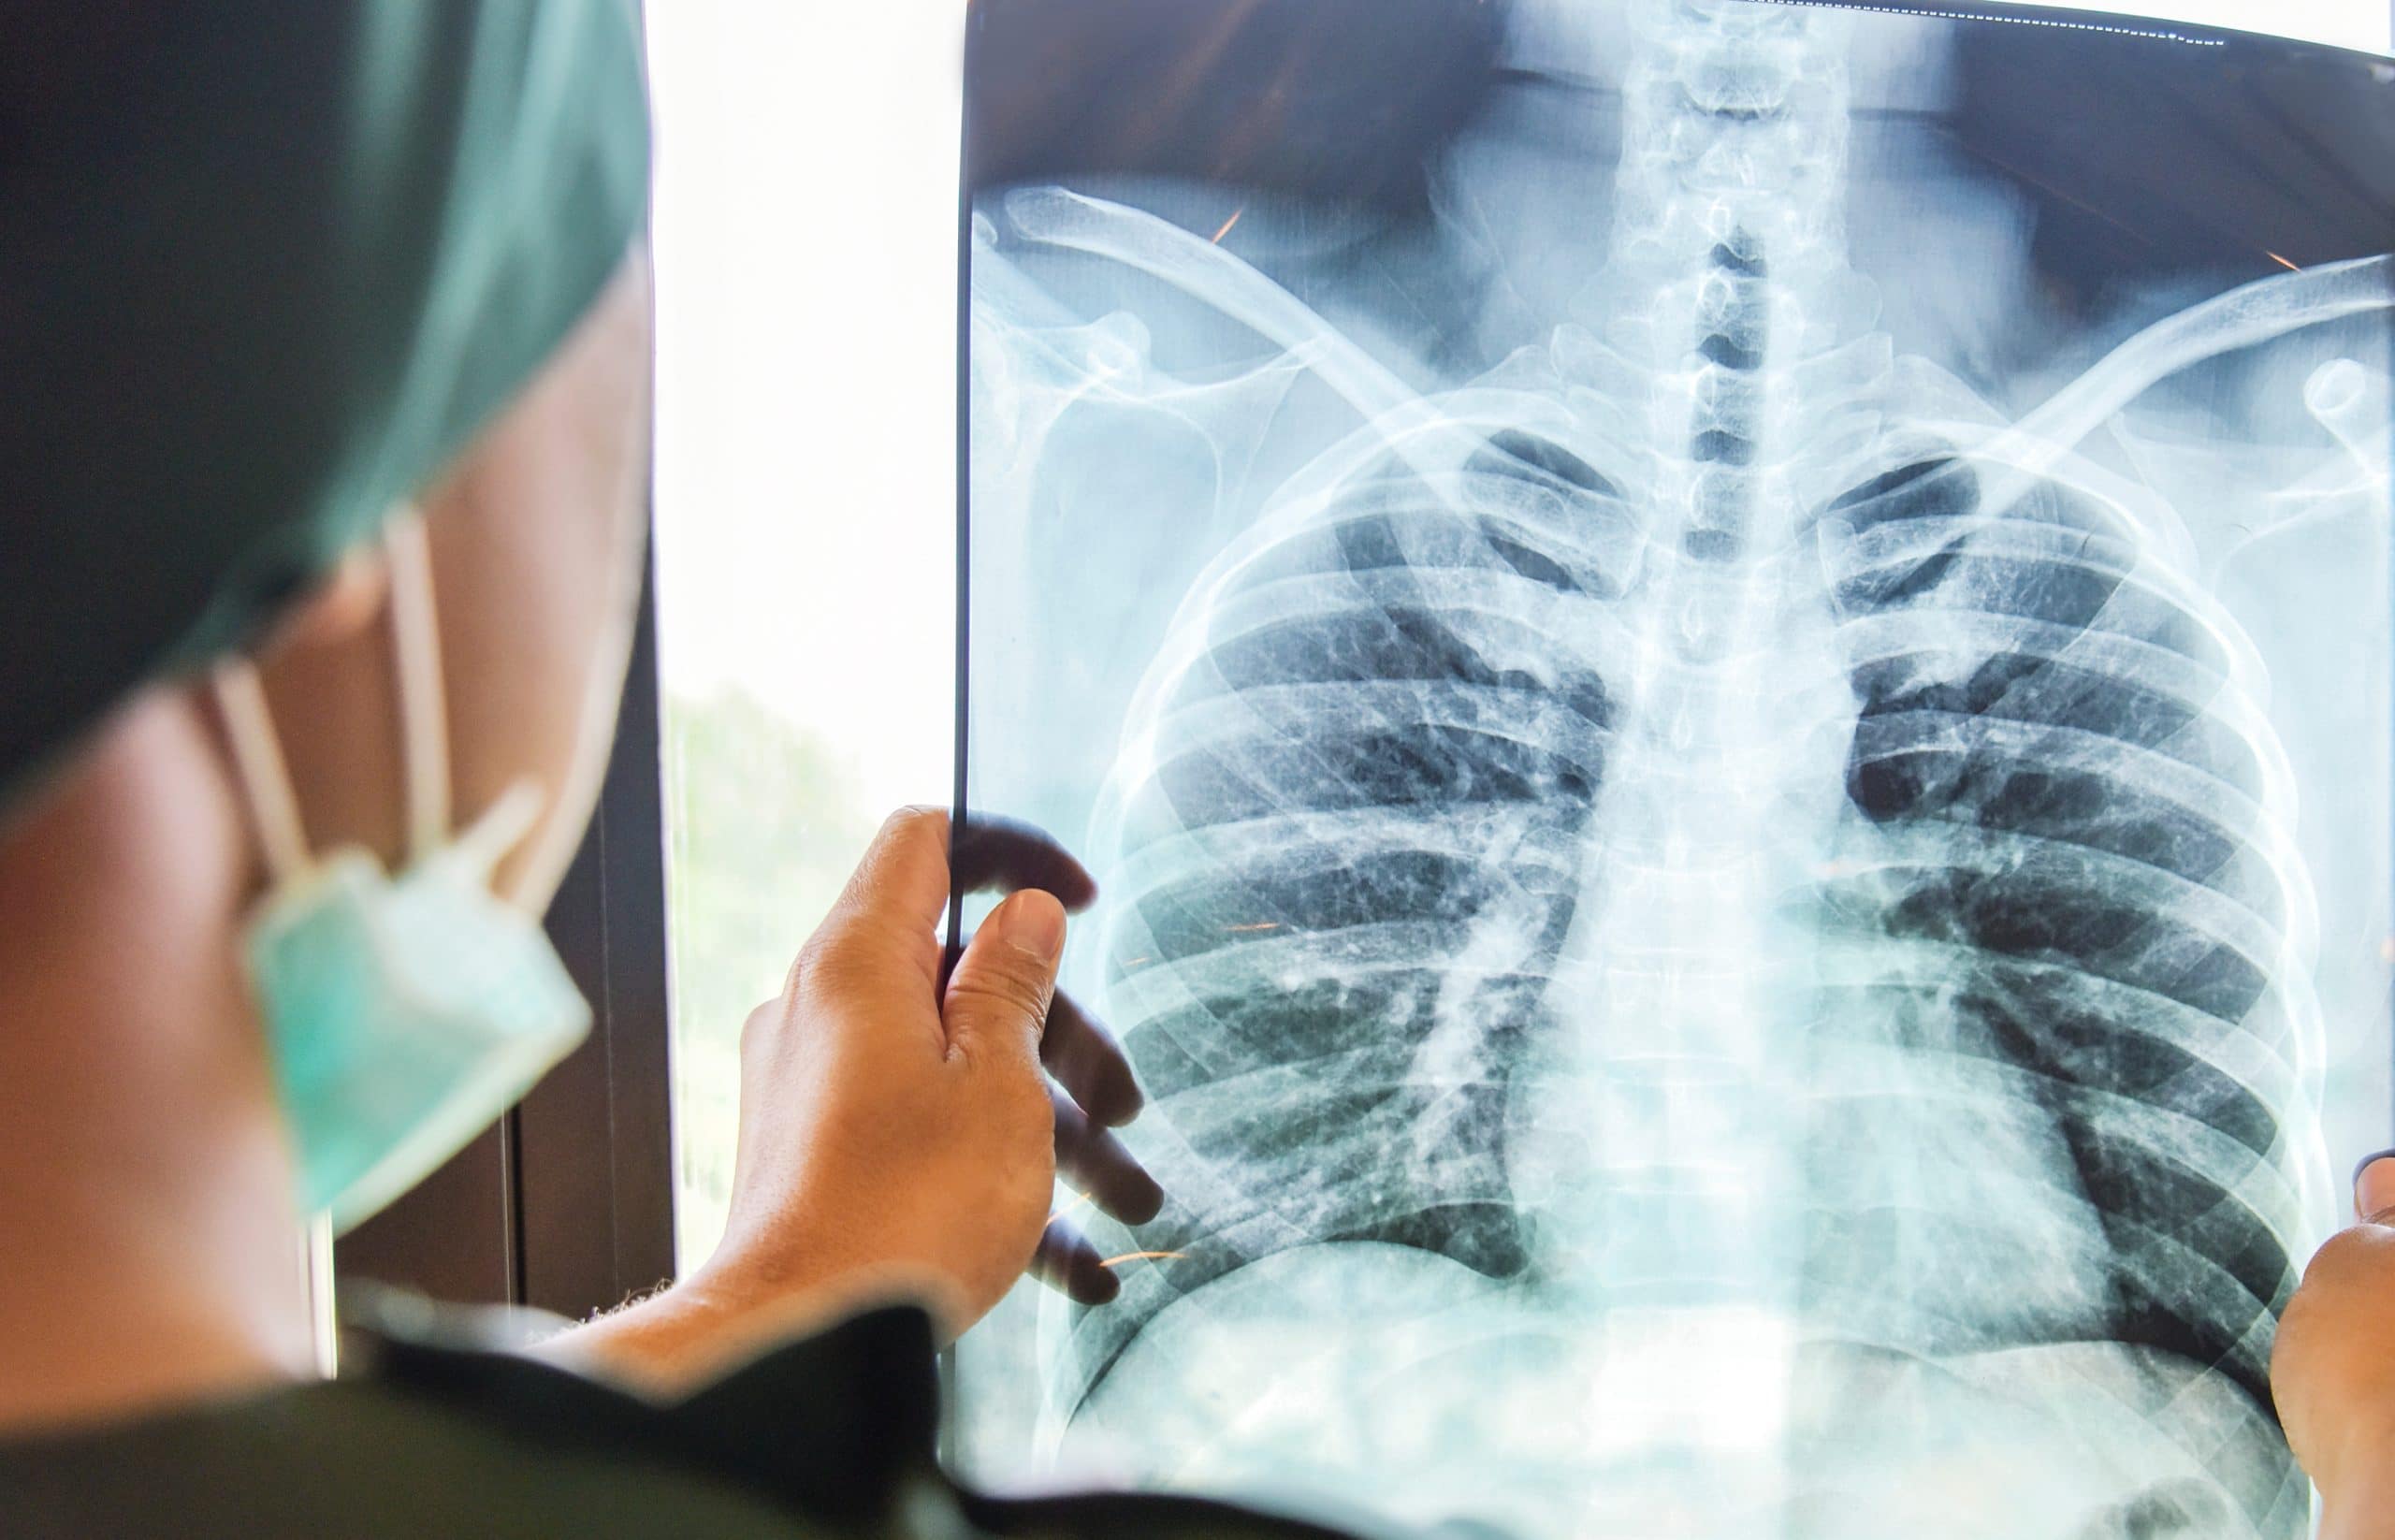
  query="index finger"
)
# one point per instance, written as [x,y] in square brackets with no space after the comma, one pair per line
[904,872]
[1006,854]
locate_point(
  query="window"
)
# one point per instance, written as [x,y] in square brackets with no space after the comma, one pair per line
[805,250]
[806,240]
[806,173]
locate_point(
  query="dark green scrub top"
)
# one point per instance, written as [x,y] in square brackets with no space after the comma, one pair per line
[429,1436]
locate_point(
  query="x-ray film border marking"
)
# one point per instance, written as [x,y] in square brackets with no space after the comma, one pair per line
[2016,20]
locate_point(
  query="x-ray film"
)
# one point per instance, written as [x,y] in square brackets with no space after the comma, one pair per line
[1726,665]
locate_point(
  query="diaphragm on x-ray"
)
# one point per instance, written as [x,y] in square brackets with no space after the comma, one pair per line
[1726,666]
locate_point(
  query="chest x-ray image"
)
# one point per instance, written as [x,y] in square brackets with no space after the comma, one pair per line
[1726,665]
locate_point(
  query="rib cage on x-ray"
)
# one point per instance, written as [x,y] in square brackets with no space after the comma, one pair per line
[1712,885]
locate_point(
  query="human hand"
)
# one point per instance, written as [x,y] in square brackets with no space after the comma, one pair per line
[887,1124]
[2332,1372]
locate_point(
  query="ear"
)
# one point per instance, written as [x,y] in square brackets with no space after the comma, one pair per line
[343,604]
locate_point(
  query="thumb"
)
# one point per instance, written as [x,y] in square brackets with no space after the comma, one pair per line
[998,998]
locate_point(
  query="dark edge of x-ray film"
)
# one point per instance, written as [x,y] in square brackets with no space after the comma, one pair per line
[2108,151]
[2145,180]
[1339,99]
[1361,91]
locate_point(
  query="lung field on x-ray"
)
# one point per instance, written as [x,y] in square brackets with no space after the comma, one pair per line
[1709,911]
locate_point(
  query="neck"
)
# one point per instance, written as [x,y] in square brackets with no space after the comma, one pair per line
[1734,125]
[144,1183]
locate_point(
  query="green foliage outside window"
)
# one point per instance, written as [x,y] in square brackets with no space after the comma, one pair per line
[766,823]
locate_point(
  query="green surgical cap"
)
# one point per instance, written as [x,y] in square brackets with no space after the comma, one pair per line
[266,268]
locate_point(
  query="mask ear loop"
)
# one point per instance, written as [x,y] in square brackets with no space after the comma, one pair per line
[424,718]
[258,765]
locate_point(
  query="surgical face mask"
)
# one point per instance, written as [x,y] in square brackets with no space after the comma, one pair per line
[404,1013]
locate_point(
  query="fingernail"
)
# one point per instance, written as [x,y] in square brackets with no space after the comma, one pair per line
[2374,1185]
[1033,921]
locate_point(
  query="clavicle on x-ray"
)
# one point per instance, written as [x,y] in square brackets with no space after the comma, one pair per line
[1735,730]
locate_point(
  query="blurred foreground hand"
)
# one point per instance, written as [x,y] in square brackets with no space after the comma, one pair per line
[2332,1372]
